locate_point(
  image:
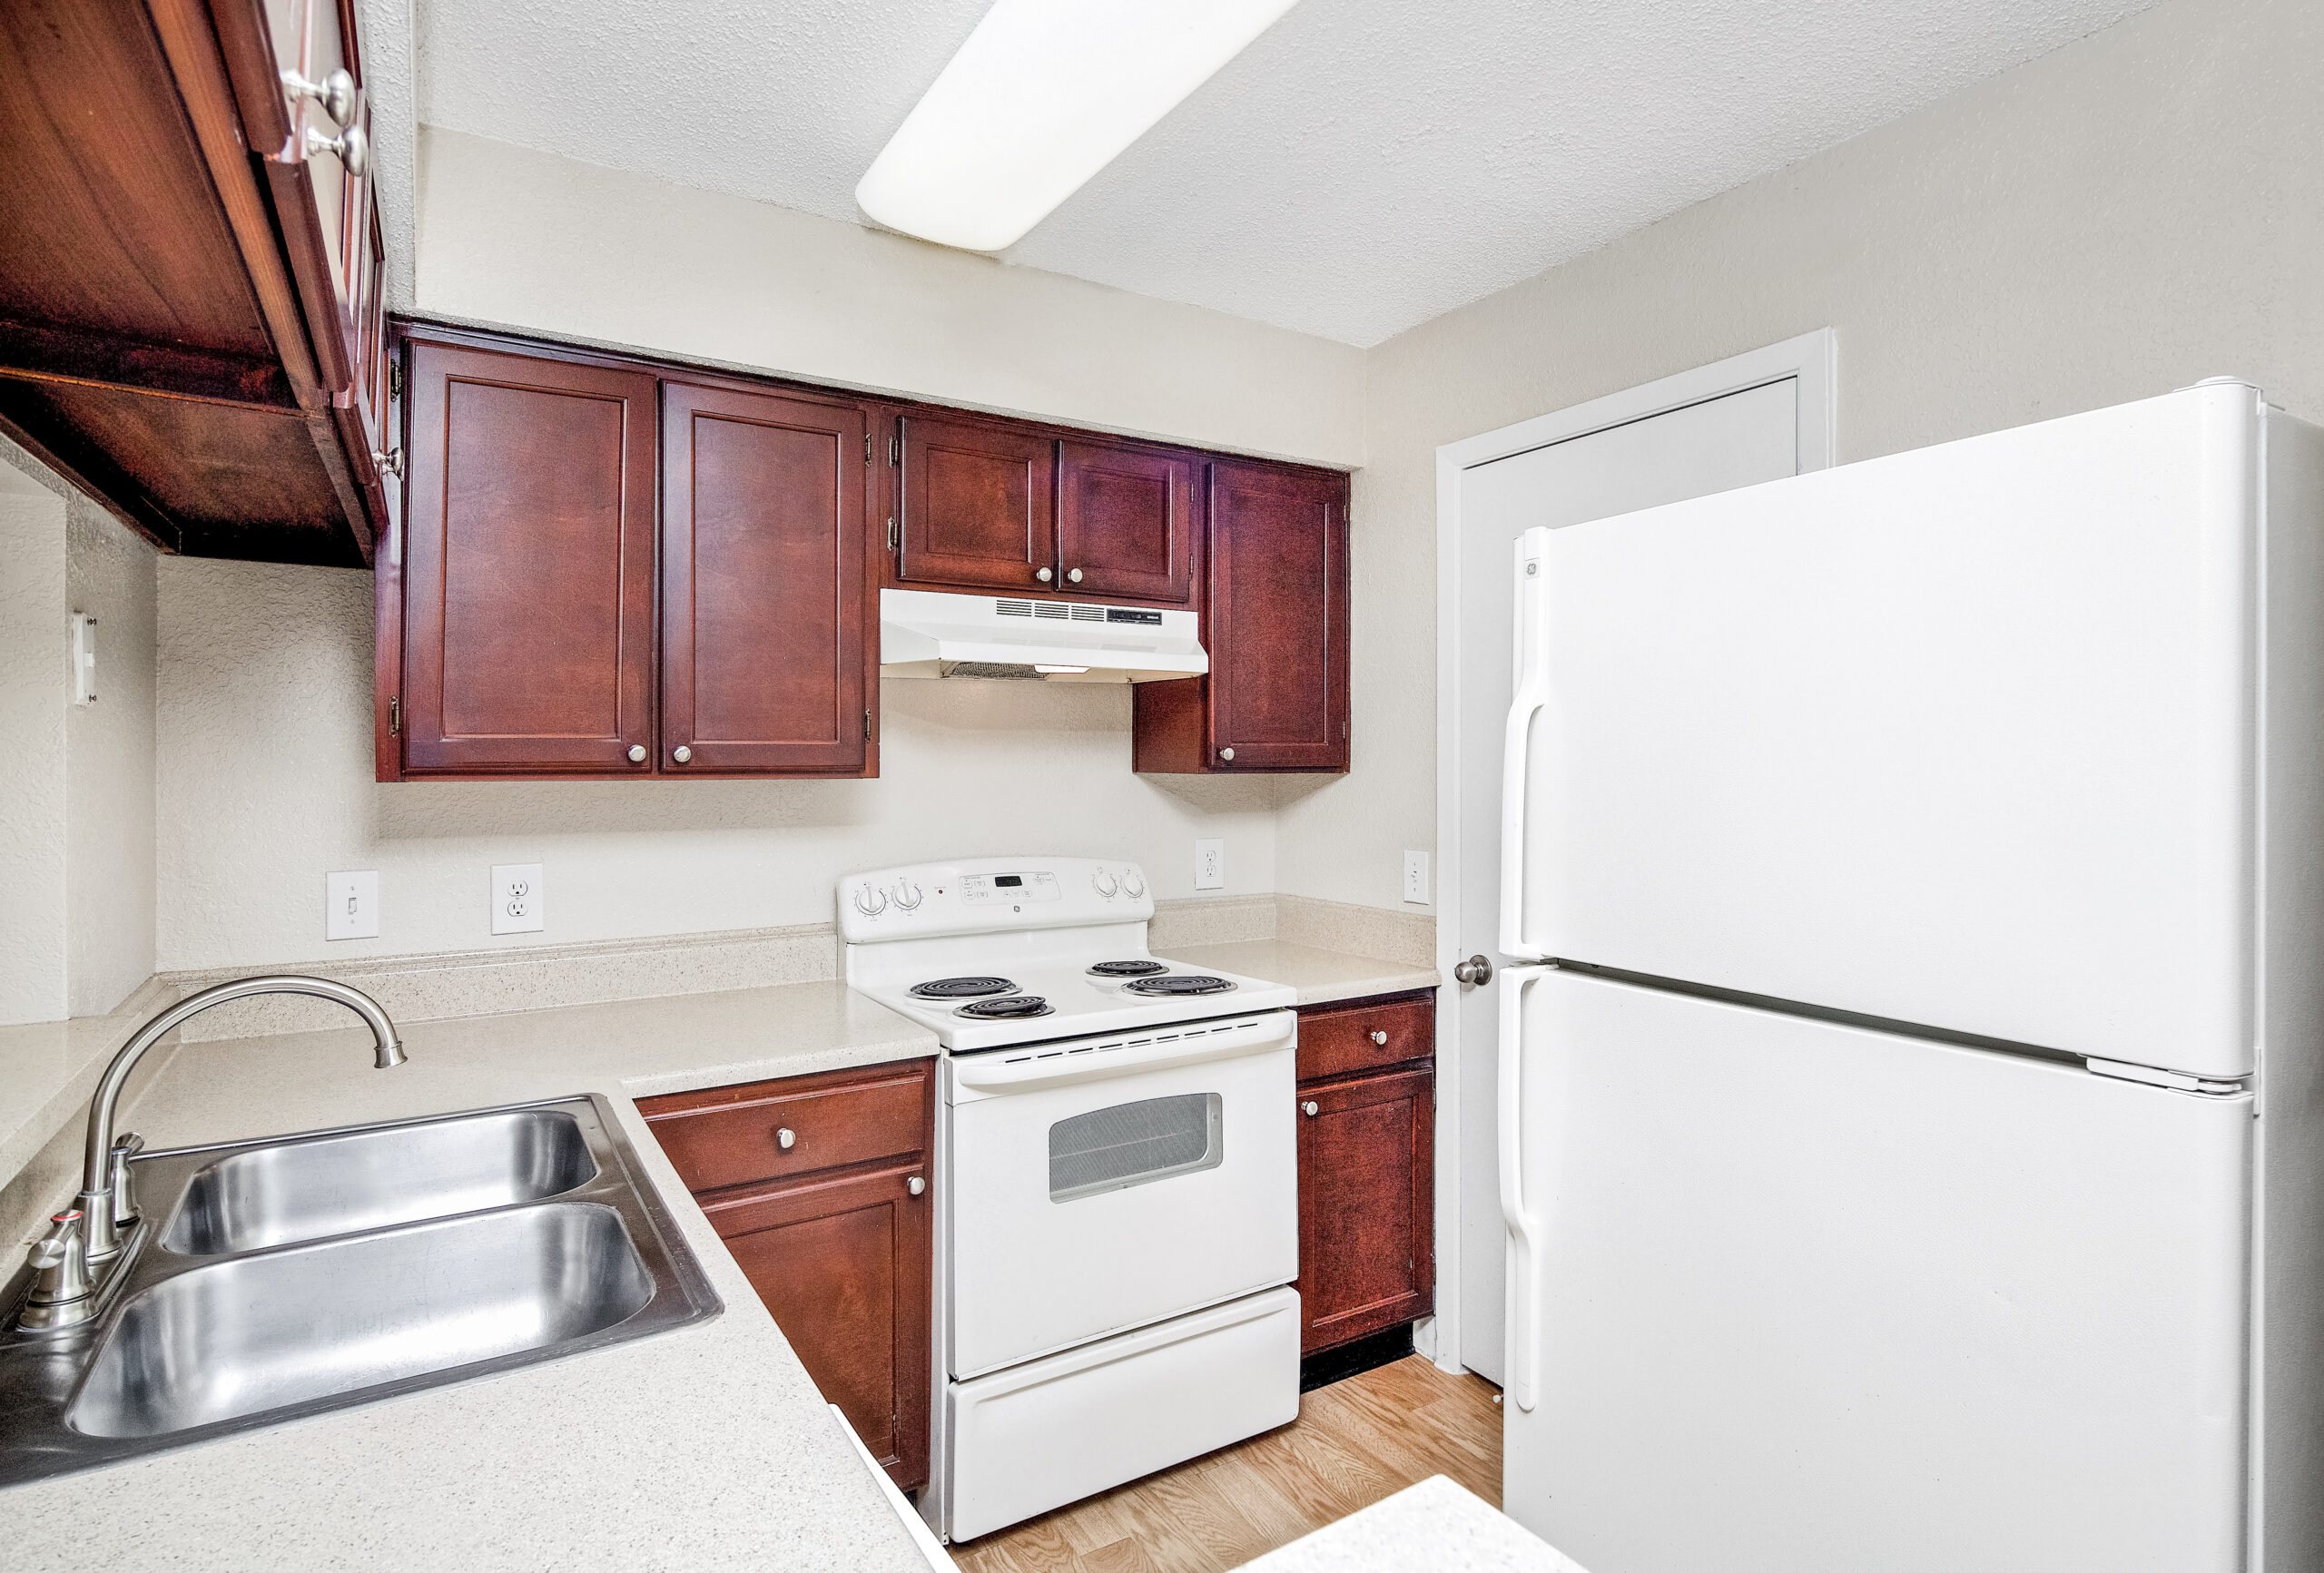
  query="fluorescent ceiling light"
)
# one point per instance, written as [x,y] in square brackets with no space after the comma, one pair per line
[1044,95]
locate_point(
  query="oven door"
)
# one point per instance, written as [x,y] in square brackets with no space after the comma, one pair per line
[1103,1185]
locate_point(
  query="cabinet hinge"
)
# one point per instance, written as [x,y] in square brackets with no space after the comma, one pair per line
[867,448]
[395,717]
[892,541]
[395,379]
[893,454]
[867,726]
[1343,731]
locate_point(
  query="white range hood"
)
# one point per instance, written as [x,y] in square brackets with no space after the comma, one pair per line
[924,633]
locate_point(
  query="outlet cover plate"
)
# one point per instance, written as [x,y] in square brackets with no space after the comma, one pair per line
[517,904]
[1210,865]
[1416,877]
[351,905]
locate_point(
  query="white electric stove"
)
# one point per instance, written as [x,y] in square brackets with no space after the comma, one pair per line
[1117,1192]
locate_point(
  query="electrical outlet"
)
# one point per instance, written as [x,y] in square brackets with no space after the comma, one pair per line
[516,898]
[351,906]
[1210,865]
[1416,877]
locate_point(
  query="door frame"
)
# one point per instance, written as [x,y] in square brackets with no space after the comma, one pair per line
[1812,360]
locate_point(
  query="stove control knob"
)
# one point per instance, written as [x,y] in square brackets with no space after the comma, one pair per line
[1132,884]
[909,895]
[871,902]
[1106,883]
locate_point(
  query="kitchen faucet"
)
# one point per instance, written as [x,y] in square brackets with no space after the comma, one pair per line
[104,1201]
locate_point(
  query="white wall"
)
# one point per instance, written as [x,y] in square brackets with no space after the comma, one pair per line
[527,240]
[2135,213]
[265,739]
[76,782]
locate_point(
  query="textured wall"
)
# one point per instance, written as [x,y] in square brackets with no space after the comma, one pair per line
[32,671]
[2132,213]
[265,741]
[530,240]
[108,766]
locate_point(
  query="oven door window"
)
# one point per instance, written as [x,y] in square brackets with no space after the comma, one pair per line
[1134,1143]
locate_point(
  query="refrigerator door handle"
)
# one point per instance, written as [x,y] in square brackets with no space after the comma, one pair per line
[1524,1352]
[1529,644]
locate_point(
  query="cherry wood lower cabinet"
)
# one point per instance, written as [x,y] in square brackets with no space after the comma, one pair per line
[833,1226]
[1367,1254]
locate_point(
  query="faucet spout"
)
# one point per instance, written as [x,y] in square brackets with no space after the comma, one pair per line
[95,1202]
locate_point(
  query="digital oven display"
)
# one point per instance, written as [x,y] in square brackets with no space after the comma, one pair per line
[1008,881]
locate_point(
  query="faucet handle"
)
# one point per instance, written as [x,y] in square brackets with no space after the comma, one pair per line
[125,1201]
[61,1294]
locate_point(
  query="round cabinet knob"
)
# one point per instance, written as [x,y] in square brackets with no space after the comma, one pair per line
[871,902]
[637,753]
[915,1184]
[1106,885]
[1042,575]
[1074,574]
[1477,970]
[1308,1108]
[1379,1038]
[786,1138]
[1227,754]
[1132,884]
[682,753]
[907,895]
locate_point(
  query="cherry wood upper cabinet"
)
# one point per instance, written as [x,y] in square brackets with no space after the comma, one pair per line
[1275,626]
[976,507]
[764,602]
[185,290]
[1125,521]
[528,572]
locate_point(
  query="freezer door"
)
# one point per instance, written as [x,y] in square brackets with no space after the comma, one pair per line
[1812,1299]
[1962,737]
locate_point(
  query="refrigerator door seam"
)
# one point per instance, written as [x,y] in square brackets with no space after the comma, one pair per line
[2174,1081]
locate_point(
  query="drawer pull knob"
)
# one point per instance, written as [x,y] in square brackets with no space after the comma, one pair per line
[1308,1108]
[915,1184]
[786,1138]
[1380,1037]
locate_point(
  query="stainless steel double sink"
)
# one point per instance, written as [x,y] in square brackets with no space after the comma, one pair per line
[279,1278]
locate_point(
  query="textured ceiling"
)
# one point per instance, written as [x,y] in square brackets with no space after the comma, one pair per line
[1365,166]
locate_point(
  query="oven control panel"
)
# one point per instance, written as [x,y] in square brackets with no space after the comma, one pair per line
[991,895]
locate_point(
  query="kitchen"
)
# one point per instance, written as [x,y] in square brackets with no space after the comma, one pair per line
[2022,213]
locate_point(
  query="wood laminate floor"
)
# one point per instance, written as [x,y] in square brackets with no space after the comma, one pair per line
[1354,1442]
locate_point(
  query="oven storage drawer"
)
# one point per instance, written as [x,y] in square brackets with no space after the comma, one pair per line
[1051,1432]
[1079,1211]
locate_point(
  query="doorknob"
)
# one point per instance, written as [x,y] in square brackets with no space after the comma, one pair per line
[1476,969]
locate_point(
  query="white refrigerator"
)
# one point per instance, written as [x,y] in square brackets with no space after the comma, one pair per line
[1912,1108]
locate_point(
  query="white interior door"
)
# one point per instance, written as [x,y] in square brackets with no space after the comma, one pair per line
[1715,444]
[1813,1299]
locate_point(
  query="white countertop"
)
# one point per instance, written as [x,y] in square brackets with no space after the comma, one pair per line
[705,1447]
[1320,977]
[1434,1525]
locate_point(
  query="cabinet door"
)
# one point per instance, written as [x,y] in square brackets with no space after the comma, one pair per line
[844,1265]
[1125,521]
[529,564]
[1367,1197]
[978,506]
[1278,618]
[762,585]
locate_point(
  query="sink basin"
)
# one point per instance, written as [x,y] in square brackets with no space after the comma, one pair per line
[288,1276]
[373,1179]
[263,1332]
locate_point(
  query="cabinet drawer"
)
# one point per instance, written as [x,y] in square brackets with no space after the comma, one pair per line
[733,1136]
[1339,1039]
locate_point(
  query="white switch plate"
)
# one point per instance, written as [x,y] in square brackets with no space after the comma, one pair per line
[351,906]
[1416,877]
[516,898]
[84,658]
[1210,865]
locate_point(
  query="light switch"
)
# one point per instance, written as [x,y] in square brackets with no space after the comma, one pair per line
[517,905]
[351,906]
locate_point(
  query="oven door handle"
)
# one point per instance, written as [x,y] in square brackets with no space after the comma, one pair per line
[1002,1070]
